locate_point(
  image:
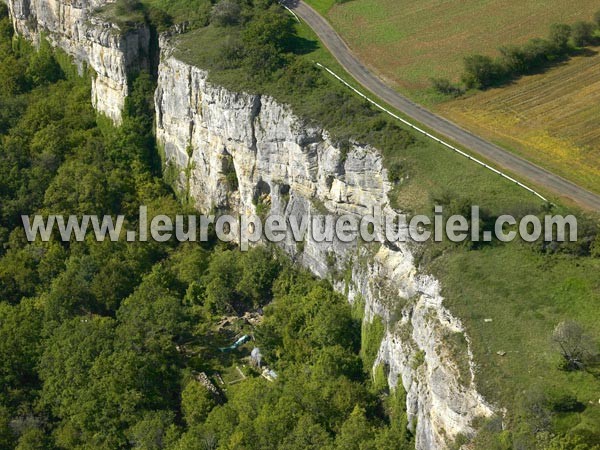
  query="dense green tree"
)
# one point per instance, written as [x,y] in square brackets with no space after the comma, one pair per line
[264,40]
[43,68]
[307,435]
[20,350]
[70,293]
[560,34]
[356,432]
[152,317]
[152,432]
[221,279]
[7,437]
[196,403]
[481,71]
[98,336]
[259,270]
[33,439]
[582,33]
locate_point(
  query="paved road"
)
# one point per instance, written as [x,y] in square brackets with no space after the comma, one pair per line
[443,127]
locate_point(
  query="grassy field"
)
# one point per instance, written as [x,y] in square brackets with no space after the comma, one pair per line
[526,295]
[453,174]
[551,118]
[407,42]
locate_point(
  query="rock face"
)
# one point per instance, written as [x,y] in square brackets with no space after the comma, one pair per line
[92,42]
[211,135]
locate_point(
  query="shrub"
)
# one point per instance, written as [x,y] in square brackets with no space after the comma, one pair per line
[560,34]
[395,172]
[576,347]
[537,53]
[159,19]
[595,247]
[418,359]
[43,68]
[264,39]
[583,33]
[126,7]
[231,55]
[514,59]
[481,71]
[445,86]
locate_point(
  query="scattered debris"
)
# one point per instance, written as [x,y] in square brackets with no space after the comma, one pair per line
[487,320]
[501,353]
[253,318]
[226,322]
[203,379]
[268,374]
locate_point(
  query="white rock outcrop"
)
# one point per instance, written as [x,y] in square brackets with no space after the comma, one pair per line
[72,26]
[206,131]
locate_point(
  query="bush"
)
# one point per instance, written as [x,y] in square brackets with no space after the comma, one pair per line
[583,33]
[231,55]
[444,86]
[560,34]
[514,59]
[395,172]
[125,7]
[481,72]
[264,38]
[43,68]
[159,19]
[597,18]
[538,53]
[595,247]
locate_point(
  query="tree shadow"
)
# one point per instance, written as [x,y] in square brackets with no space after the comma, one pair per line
[585,51]
[299,45]
[559,61]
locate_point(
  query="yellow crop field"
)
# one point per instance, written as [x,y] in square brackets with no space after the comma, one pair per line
[552,119]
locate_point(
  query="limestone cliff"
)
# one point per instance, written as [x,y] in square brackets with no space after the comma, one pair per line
[72,26]
[208,132]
